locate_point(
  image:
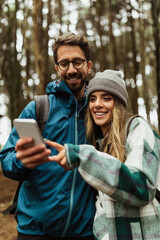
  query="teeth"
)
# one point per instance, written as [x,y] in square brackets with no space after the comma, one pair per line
[99,114]
[72,79]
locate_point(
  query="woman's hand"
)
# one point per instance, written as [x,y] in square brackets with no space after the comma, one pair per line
[60,158]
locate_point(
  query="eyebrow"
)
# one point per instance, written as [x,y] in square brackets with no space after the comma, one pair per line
[65,59]
[103,94]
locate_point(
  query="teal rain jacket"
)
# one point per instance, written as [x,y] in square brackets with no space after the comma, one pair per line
[51,200]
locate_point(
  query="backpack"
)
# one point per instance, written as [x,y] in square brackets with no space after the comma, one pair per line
[42,111]
[157,196]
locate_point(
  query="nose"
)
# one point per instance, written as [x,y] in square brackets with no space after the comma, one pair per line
[98,103]
[71,69]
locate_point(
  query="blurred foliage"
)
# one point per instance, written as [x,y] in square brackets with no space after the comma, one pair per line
[123,34]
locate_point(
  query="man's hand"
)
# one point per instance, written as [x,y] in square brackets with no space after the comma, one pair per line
[33,156]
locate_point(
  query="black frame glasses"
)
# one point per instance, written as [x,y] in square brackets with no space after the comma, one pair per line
[78,63]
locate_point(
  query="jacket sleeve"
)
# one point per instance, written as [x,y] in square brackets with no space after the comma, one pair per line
[11,166]
[132,183]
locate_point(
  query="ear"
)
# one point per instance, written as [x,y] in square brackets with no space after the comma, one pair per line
[56,68]
[89,66]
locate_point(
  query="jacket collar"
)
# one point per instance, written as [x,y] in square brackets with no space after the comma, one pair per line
[57,86]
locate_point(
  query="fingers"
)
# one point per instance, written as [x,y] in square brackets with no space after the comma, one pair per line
[33,156]
[22,142]
[37,159]
[63,162]
[26,152]
[55,145]
[59,156]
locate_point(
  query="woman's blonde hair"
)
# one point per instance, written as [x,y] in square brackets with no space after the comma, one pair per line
[114,140]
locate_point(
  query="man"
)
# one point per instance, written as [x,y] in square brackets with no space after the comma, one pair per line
[53,203]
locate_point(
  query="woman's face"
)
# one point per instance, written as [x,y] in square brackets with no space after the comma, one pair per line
[101,106]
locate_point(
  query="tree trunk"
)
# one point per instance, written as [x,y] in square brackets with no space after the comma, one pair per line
[114,55]
[11,67]
[40,42]
[100,6]
[156,31]
[145,89]
[135,63]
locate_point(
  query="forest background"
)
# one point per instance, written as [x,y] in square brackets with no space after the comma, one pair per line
[123,34]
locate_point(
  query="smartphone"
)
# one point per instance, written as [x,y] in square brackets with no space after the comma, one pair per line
[28,128]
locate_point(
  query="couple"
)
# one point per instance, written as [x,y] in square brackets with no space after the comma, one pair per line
[122,166]
[57,204]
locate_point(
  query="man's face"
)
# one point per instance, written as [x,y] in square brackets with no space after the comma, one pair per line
[74,78]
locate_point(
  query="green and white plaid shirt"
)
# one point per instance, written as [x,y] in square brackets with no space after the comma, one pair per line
[126,204]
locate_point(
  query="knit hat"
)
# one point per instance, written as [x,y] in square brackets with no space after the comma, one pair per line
[109,81]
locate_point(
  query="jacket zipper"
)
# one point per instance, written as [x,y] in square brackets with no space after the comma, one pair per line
[74,179]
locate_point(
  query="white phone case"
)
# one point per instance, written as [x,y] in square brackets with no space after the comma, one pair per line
[28,128]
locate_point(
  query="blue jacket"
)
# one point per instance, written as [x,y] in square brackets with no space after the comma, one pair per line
[51,200]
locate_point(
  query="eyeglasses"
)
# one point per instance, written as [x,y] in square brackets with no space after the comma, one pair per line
[78,63]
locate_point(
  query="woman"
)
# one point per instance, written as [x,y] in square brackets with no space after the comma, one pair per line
[122,166]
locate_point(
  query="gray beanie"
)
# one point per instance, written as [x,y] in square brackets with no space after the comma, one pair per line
[109,81]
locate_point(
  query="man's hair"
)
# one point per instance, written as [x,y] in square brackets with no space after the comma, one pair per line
[72,40]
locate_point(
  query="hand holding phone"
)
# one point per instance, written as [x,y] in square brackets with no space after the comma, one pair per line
[30,154]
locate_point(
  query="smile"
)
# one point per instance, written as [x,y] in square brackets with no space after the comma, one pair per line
[72,79]
[100,113]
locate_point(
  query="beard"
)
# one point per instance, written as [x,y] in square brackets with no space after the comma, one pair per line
[75,87]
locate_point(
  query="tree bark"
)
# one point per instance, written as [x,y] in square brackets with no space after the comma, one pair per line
[115,61]
[100,8]
[11,68]
[135,63]
[156,31]
[40,43]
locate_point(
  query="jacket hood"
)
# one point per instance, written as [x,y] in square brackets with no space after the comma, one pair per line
[57,86]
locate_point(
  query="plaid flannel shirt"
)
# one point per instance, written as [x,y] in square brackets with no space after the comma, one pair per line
[126,206]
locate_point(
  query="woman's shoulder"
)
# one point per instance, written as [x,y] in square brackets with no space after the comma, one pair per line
[139,128]
[137,121]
